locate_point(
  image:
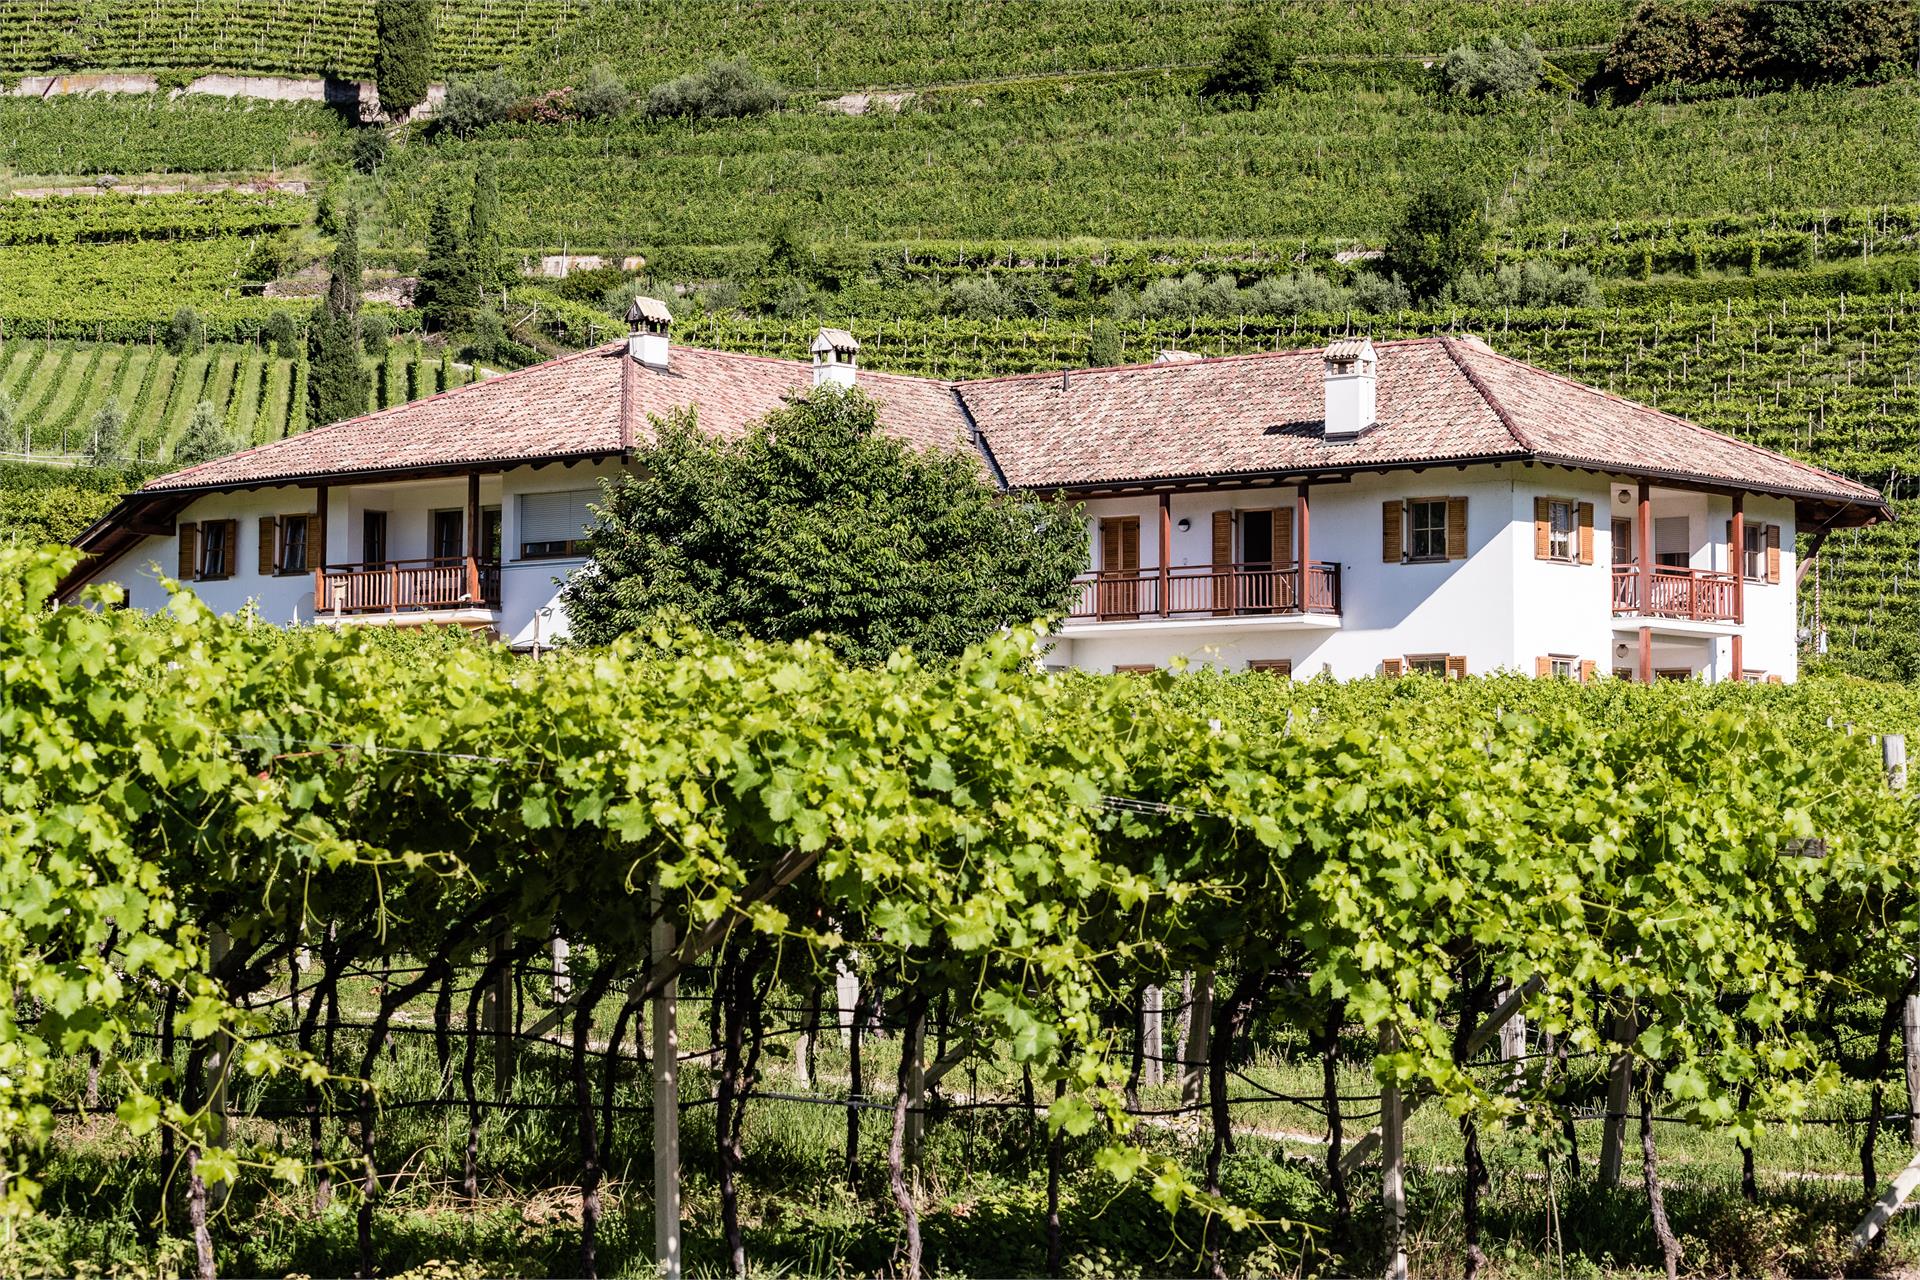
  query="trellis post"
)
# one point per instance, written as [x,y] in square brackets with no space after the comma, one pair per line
[1393,1176]
[666,1102]
[1150,1036]
[1198,1048]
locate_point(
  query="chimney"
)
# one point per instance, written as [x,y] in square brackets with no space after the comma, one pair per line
[1350,384]
[648,320]
[836,356]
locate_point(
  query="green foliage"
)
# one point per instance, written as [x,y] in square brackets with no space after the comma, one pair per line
[113,217]
[185,332]
[121,133]
[483,237]
[448,292]
[106,435]
[283,331]
[205,437]
[816,522]
[721,91]
[602,95]
[404,64]
[370,149]
[473,104]
[1440,238]
[337,383]
[376,335]
[1742,41]
[1250,66]
[1490,70]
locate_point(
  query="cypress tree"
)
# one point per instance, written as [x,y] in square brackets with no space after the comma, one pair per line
[337,384]
[447,294]
[403,64]
[482,240]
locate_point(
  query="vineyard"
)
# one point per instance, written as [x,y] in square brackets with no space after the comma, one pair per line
[1010,884]
[57,388]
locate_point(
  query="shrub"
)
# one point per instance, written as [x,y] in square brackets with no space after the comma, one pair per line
[1438,239]
[369,150]
[1293,294]
[589,286]
[472,105]
[603,96]
[1379,294]
[978,298]
[1491,70]
[204,438]
[722,90]
[1668,43]
[489,341]
[185,332]
[555,106]
[105,432]
[1529,284]
[403,62]
[1250,66]
[1104,346]
[375,336]
[283,332]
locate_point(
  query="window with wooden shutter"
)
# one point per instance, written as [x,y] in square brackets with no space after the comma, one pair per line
[1586,532]
[1392,666]
[1393,545]
[1773,553]
[1120,567]
[217,547]
[296,537]
[1456,528]
[1542,667]
[1223,583]
[1429,664]
[1427,532]
[1271,666]
[1457,665]
[1542,528]
[1134,668]
[1556,531]
[1775,680]
[269,560]
[317,554]
[189,566]
[1588,670]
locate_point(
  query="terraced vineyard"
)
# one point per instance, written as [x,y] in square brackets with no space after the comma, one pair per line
[57,389]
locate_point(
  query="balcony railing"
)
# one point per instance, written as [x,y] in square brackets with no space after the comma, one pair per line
[1188,591]
[1698,595]
[407,586]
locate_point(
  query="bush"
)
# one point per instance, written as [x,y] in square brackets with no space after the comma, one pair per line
[723,90]
[375,336]
[185,333]
[1294,294]
[1530,284]
[489,342]
[204,438]
[589,286]
[1438,239]
[1378,294]
[603,97]
[472,105]
[1491,70]
[1250,67]
[369,150]
[978,298]
[104,434]
[1669,43]
[283,332]
[403,63]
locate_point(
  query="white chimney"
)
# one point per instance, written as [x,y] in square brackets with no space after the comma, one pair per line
[836,357]
[648,319]
[1350,384]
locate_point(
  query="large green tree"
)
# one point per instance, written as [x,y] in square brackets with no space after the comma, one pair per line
[816,522]
[1439,238]
[337,383]
[448,292]
[403,64]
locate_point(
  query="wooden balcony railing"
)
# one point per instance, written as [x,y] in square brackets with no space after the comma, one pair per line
[1187,591]
[407,586]
[1699,595]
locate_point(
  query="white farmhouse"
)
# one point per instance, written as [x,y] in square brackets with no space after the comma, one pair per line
[1373,508]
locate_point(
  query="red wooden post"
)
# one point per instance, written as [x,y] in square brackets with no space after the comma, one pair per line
[1739,555]
[1166,546]
[1304,578]
[1646,655]
[319,554]
[473,514]
[393,586]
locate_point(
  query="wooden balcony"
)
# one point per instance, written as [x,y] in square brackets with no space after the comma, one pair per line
[406,586]
[1197,591]
[1696,595]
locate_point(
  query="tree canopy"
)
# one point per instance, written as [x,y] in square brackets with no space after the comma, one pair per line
[403,64]
[1438,239]
[818,523]
[1250,66]
[337,384]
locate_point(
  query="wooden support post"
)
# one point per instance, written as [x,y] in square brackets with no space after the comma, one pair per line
[219,1061]
[473,515]
[846,996]
[1644,535]
[666,1105]
[1302,584]
[1893,755]
[914,1046]
[1166,547]
[1198,1048]
[1886,1206]
[1393,1173]
[1613,1134]
[1513,1032]
[1151,1037]
[1738,553]
[496,1013]
[1646,655]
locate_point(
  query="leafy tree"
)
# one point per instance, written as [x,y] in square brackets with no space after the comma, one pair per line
[369,150]
[447,294]
[205,437]
[1439,239]
[376,334]
[1251,65]
[106,434]
[185,333]
[337,383]
[472,105]
[722,90]
[818,523]
[283,332]
[1815,41]
[403,63]
[603,96]
[1492,70]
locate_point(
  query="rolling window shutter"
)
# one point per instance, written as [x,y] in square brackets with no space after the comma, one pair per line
[1773,553]
[269,549]
[1585,514]
[1542,668]
[1457,666]
[1542,539]
[556,517]
[189,552]
[1283,536]
[1392,666]
[1586,671]
[1456,528]
[1222,539]
[1392,542]
[316,554]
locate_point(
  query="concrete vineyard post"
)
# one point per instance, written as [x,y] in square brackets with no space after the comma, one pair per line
[1393,1181]
[666,1105]
[1151,1050]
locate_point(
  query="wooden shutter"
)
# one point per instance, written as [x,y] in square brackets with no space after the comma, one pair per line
[1542,668]
[1587,670]
[1272,666]
[269,551]
[1456,528]
[1585,515]
[1222,539]
[1393,543]
[1542,528]
[233,546]
[1775,680]
[189,535]
[316,554]
[1282,536]
[1392,666]
[1773,553]
[1120,544]
[1456,666]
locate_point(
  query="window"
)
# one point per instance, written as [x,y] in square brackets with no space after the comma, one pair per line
[1134,668]
[373,536]
[293,544]
[1754,554]
[1672,542]
[1428,664]
[216,549]
[1427,529]
[1560,543]
[1272,666]
[1623,542]
[449,530]
[1561,667]
[553,524]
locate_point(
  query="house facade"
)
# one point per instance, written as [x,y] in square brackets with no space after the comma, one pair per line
[1419,505]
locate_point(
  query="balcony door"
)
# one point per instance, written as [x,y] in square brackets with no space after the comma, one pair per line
[373,537]
[1266,558]
[1119,584]
[449,535]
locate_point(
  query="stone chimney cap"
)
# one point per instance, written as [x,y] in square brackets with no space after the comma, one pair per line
[648,312]
[838,341]
[1349,350]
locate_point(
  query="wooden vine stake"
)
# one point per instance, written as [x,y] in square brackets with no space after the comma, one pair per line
[666,1103]
[1393,1174]
[1197,1050]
